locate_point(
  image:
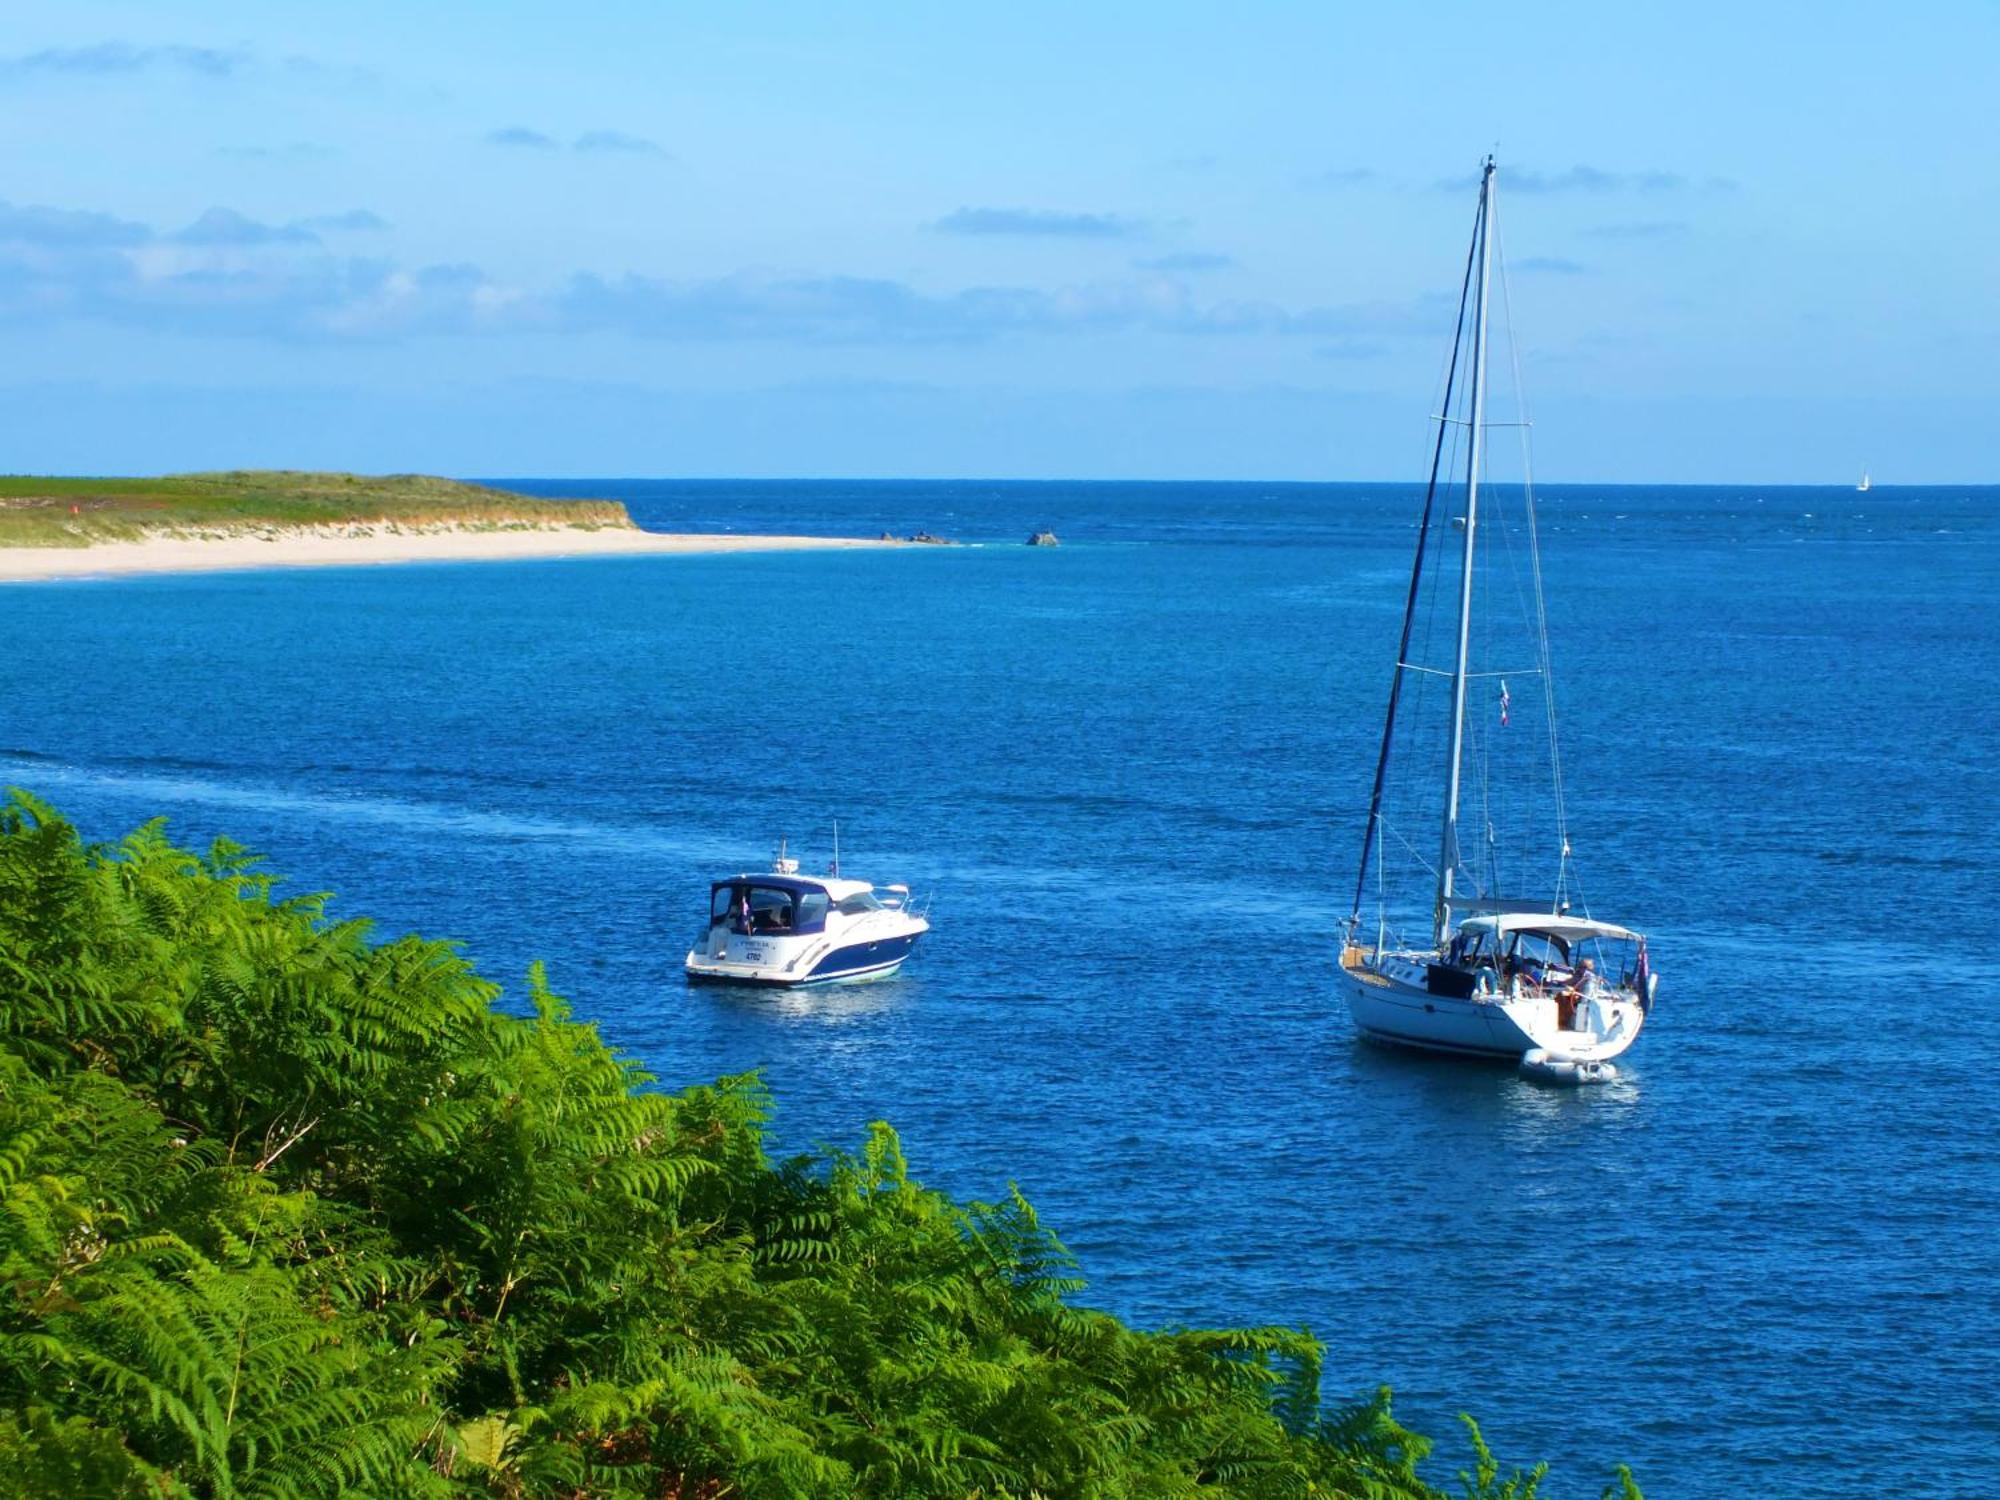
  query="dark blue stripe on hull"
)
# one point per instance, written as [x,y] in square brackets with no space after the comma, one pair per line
[1457,1049]
[863,956]
[853,962]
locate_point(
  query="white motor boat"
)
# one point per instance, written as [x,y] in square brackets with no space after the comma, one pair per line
[1499,975]
[785,929]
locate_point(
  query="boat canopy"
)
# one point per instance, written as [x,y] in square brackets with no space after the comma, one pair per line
[798,885]
[1545,924]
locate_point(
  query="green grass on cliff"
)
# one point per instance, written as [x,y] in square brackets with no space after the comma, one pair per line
[43,512]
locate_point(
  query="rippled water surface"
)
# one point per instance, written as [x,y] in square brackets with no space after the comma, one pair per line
[1133,771]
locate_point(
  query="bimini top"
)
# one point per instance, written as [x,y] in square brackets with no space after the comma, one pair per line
[1546,924]
[798,885]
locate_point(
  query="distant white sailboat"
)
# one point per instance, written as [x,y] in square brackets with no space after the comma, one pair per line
[1865,486]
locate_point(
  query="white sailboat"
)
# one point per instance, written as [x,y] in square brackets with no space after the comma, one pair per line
[1865,486]
[1494,970]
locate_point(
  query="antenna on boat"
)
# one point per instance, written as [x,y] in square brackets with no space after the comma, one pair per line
[835,870]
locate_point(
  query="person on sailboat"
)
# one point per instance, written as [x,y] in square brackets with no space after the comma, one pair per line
[1568,999]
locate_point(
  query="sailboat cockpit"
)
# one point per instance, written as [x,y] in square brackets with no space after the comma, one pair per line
[1537,953]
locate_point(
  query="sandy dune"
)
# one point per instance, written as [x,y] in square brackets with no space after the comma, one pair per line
[350,546]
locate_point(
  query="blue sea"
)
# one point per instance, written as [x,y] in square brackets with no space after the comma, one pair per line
[1132,773]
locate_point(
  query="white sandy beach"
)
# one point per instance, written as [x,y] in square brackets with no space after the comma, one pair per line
[350,546]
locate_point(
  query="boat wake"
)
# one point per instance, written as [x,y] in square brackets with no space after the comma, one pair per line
[50,773]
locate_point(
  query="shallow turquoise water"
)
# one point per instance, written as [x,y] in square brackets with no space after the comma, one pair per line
[1132,770]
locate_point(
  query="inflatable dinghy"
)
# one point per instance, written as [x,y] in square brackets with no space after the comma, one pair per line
[1545,1066]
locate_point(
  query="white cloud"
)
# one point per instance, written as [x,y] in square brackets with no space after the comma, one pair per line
[1040,221]
[227,273]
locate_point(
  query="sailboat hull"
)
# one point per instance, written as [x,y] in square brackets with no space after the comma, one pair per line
[1389,1007]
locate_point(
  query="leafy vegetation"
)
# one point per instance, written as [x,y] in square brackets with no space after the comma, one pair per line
[286,1211]
[45,512]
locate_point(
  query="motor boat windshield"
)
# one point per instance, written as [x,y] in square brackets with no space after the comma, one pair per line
[768,904]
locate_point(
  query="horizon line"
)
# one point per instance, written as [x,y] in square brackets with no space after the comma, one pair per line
[856,478]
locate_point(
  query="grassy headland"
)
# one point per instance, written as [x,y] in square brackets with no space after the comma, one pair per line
[287,1211]
[47,512]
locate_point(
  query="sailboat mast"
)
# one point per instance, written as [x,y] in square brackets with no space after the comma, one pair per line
[1416,578]
[1448,846]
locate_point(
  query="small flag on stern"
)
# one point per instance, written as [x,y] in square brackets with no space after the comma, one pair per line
[1642,979]
[1505,701]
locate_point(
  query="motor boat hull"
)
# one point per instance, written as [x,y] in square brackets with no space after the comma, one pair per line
[795,963]
[1390,1003]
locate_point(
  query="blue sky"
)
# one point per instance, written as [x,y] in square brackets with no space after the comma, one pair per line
[1162,240]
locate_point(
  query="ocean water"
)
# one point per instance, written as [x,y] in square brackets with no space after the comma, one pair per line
[1132,772]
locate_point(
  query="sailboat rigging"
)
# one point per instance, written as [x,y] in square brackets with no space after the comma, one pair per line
[1502,975]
